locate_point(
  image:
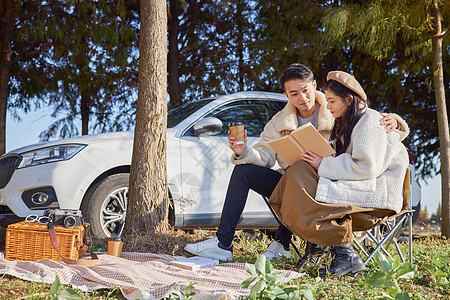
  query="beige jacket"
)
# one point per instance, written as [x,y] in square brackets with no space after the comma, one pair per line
[262,154]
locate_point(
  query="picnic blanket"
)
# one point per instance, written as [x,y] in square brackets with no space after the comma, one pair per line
[138,275]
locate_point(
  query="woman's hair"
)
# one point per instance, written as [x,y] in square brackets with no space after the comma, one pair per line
[343,126]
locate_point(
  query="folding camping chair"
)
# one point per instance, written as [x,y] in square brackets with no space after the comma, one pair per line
[386,233]
[279,222]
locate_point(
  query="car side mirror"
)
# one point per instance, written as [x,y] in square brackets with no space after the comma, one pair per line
[208,126]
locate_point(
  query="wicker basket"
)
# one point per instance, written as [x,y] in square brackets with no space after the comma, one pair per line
[31,241]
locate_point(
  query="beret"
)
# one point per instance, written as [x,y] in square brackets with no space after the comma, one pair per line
[348,81]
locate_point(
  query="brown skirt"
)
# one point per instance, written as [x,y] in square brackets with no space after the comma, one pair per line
[317,222]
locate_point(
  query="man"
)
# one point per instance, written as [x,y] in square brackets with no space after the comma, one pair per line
[253,164]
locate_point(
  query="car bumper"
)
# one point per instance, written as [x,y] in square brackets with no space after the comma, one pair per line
[64,182]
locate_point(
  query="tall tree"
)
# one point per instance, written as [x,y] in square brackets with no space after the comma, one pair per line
[148,195]
[378,27]
[214,39]
[26,33]
[95,67]
[173,59]
[76,56]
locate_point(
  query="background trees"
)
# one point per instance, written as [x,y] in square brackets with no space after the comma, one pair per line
[80,58]
[417,28]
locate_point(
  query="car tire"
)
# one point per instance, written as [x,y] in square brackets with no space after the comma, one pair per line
[104,206]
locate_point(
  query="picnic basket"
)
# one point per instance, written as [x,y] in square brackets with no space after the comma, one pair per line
[31,241]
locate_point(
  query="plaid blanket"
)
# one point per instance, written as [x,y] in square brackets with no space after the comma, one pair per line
[138,275]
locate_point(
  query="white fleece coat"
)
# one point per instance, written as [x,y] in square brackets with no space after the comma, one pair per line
[371,172]
[261,154]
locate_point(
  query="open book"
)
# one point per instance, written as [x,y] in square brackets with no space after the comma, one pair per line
[194,263]
[290,147]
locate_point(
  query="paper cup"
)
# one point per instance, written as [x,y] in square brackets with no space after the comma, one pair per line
[237,130]
[115,247]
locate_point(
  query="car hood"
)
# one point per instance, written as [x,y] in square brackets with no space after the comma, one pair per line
[85,139]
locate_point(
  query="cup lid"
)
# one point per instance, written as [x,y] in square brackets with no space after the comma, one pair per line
[235,123]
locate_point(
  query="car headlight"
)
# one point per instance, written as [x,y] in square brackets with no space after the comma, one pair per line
[50,154]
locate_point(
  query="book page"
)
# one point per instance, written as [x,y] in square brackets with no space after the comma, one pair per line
[287,148]
[309,138]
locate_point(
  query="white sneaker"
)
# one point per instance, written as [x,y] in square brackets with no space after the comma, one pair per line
[210,249]
[276,250]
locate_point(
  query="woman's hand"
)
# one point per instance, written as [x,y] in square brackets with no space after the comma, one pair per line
[389,122]
[239,149]
[312,158]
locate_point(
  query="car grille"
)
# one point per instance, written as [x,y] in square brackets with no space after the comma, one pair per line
[5,210]
[8,165]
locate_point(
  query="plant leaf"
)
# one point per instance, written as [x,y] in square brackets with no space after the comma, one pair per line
[430,268]
[307,293]
[258,287]
[380,280]
[56,285]
[279,293]
[405,271]
[260,265]
[272,278]
[440,273]
[393,291]
[438,263]
[68,294]
[383,262]
[250,269]
[246,282]
[402,296]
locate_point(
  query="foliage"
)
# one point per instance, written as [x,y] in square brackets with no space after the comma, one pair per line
[270,284]
[439,267]
[60,292]
[180,295]
[398,35]
[214,38]
[392,270]
[95,67]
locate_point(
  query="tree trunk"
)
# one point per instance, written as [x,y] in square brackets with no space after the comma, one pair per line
[148,194]
[84,107]
[240,43]
[173,59]
[442,117]
[6,35]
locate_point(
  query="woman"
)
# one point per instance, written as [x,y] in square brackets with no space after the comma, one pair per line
[324,200]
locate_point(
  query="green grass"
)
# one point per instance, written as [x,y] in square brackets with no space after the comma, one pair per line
[424,285]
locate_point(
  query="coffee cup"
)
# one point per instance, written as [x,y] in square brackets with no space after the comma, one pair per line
[237,130]
[115,246]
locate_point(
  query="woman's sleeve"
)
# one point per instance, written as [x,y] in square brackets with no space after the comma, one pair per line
[403,128]
[369,146]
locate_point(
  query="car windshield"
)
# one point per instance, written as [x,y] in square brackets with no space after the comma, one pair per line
[178,114]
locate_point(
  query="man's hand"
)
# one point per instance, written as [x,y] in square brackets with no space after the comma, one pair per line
[389,122]
[311,158]
[239,149]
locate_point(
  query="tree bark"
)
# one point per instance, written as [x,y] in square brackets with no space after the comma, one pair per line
[148,194]
[84,107]
[442,117]
[173,56]
[7,13]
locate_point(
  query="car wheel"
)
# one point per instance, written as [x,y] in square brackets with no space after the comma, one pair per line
[105,206]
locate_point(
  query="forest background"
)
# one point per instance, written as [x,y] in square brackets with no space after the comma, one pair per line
[77,61]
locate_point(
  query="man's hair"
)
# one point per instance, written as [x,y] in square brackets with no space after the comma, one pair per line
[296,71]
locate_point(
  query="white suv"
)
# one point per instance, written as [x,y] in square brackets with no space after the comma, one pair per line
[91,172]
